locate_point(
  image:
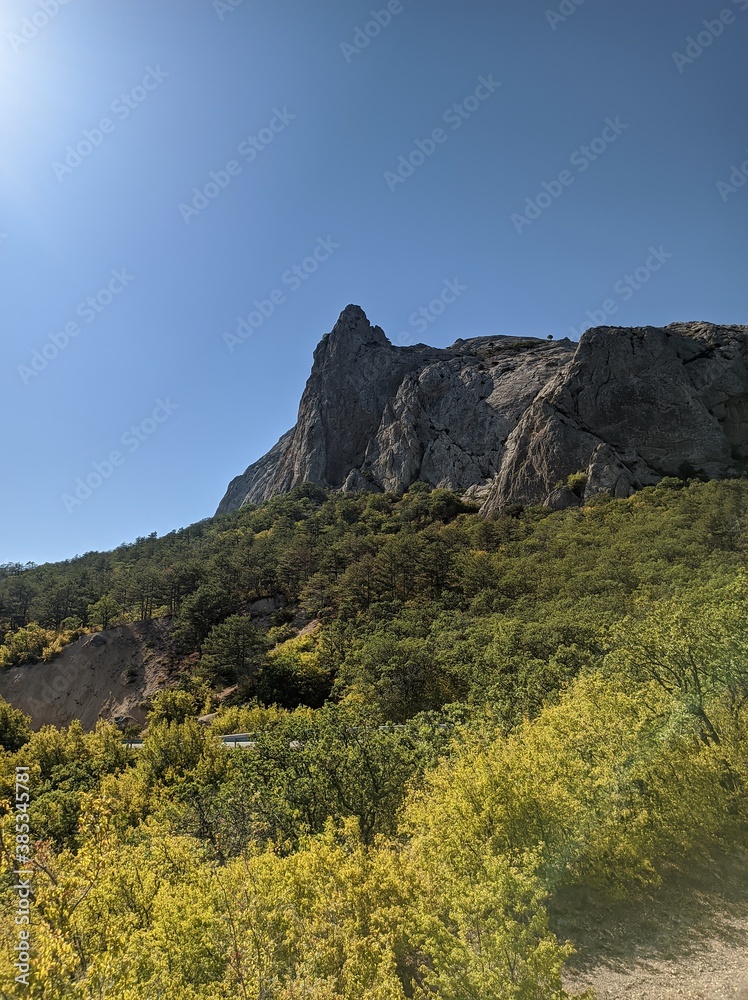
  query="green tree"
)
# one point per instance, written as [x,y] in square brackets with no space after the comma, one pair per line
[694,646]
[104,613]
[172,706]
[15,727]
[233,650]
[200,611]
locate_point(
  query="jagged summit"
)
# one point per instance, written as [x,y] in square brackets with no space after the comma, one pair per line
[508,418]
[353,320]
[351,330]
[352,314]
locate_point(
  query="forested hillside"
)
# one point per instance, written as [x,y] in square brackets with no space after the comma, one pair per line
[457,719]
[421,601]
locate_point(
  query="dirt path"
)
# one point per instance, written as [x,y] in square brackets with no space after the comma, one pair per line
[687,940]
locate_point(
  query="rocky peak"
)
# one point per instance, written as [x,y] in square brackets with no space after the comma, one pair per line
[353,324]
[351,334]
[508,418]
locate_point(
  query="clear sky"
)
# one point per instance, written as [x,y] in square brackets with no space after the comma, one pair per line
[401,146]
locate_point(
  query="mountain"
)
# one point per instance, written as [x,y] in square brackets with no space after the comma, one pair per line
[510,419]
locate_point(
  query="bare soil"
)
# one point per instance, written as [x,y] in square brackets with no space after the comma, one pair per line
[689,938]
[107,675]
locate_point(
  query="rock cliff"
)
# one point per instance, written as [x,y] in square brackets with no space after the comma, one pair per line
[507,419]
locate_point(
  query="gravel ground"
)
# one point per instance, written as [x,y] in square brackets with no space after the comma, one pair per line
[687,939]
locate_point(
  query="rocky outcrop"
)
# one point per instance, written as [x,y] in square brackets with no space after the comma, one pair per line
[509,419]
[633,406]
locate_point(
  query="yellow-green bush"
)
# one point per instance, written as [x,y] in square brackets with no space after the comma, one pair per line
[25,645]
[603,787]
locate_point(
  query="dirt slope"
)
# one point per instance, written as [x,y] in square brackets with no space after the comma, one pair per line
[689,939]
[106,675]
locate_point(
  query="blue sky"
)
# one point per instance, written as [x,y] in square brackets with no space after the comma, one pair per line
[402,147]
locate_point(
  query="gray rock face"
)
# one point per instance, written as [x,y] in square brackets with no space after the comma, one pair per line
[634,405]
[506,418]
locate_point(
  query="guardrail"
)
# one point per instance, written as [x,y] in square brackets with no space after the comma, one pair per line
[230,739]
[235,740]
